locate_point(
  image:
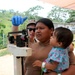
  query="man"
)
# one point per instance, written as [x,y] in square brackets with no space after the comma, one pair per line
[31,32]
[17,20]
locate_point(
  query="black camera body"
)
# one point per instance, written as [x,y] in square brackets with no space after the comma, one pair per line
[21,39]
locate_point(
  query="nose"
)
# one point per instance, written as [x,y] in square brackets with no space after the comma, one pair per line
[38,30]
[51,37]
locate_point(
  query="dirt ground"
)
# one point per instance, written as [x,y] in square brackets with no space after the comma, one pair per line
[6,65]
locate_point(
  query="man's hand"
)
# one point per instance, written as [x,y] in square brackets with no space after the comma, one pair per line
[17,20]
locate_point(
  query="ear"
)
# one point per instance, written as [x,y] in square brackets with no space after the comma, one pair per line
[60,44]
[51,31]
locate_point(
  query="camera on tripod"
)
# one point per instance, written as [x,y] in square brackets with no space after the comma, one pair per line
[21,39]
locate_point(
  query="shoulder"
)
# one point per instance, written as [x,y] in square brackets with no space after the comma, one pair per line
[71,47]
[35,40]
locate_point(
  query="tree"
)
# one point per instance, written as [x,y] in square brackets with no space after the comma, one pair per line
[2,26]
[58,14]
[71,16]
[32,13]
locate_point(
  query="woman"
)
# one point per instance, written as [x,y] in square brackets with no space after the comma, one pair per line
[56,60]
[44,30]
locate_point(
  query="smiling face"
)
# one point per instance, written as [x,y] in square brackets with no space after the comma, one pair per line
[31,31]
[42,32]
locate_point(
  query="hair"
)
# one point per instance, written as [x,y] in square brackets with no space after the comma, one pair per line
[64,35]
[47,22]
[31,24]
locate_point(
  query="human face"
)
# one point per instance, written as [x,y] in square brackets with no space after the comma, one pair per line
[31,31]
[42,32]
[53,41]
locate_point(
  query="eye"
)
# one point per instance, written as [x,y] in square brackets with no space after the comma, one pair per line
[36,28]
[42,28]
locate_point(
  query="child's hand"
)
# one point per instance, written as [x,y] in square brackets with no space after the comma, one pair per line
[37,63]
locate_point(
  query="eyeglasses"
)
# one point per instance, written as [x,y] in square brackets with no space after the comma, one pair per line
[30,29]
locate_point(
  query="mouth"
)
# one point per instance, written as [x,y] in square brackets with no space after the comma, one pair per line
[38,35]
[32,35]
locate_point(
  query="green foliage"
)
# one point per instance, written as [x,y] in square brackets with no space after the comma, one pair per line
[71,16]
[58,14]
[32,13]
[0,41]
[6,25]
[4,52]
[2,46]
[2,26]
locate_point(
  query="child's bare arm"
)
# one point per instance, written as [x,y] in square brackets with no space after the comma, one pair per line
[48,66]
[51,66]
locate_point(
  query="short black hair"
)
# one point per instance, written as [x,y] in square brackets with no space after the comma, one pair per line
[64,35]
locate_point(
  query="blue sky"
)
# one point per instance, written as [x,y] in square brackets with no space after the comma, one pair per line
[23,5]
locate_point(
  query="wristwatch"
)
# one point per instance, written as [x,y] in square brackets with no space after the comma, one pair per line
[59,74]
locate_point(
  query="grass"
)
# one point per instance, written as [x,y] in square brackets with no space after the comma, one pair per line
[4,52]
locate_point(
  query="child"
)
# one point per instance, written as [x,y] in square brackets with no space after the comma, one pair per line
[58,59]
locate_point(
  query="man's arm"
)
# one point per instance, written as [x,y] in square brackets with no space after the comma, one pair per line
[16,21]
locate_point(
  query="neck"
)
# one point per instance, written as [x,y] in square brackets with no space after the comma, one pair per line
[31,40]
[46,43]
